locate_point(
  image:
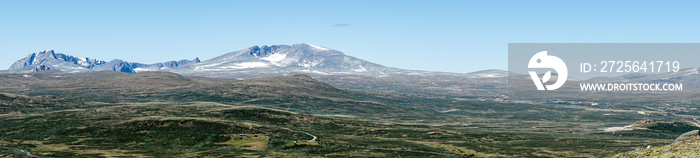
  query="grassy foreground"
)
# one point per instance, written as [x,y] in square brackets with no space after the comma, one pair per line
[687,148]
[204,129]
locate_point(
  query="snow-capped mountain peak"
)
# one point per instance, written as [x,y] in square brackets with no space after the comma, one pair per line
[255,61]
[48,59]
[284,59]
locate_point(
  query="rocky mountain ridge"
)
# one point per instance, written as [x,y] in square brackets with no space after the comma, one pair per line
[50,60]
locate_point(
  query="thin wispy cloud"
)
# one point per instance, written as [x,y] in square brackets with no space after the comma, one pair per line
[340,25]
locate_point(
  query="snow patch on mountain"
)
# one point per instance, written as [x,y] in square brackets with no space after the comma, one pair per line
[488,74]
[310,63]
[247,65]
[141,69]
[235,66]
[82,61]
[314,71]
[317,47]
[278,59]
[361,69]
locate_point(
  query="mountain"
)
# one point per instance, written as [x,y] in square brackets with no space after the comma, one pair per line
[259,61]
[253,62]
[324,64]
[48,59]
[342,70]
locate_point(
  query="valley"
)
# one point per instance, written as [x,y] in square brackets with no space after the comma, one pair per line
[162,113]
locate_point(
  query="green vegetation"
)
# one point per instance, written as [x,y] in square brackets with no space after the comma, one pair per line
[250,143]
[12,103]
[167,115]
[673,127]
[301,144]
[203,129]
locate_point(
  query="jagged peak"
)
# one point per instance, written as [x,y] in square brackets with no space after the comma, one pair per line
[265,50]
[50,59]
[46,51]
[38,58]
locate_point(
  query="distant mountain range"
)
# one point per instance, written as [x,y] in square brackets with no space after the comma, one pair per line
[50,60]
[255,61]
[273,60]
[327,65]
[324,64]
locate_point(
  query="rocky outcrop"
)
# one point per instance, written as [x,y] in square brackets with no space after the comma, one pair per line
[687,135]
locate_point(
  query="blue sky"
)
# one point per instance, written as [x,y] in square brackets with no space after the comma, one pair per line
[452,36]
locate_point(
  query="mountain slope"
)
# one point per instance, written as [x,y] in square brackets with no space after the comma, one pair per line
[106,86]
[301,93]
[258,61]
[341,70]
[685,146]
[12,103]
[296,93]
[48,59]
